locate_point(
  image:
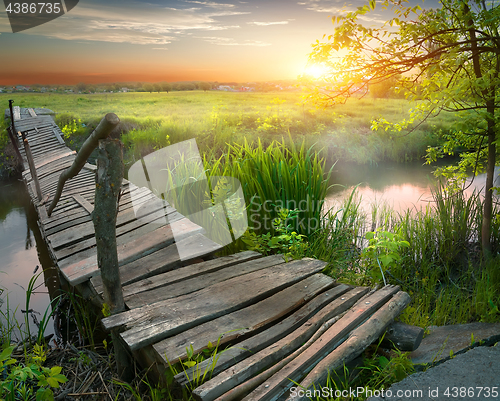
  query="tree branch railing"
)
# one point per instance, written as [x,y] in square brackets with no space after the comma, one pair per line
[107,124]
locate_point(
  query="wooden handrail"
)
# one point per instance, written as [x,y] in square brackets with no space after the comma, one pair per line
[107,124]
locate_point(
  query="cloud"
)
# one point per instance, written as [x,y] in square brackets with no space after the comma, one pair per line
[211,4]
[133,22]
[336,7]
[215,40]
[323,6]
[268,23]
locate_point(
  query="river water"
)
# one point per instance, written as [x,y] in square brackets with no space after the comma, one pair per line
[22,250]
[23,256]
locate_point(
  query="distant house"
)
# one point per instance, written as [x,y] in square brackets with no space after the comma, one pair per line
[225,88]
[20,88]
[2,89]
[125,90]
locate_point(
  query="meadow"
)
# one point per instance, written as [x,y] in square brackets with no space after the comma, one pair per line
[281,149]
[217,118]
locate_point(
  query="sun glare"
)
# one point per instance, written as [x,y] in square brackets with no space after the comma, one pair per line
[316,71]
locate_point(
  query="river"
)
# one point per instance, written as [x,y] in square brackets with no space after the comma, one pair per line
[24,255]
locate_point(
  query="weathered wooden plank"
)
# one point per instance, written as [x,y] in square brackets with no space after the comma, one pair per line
[77,216]
[130,231]
[56,157]
[164,260]
[84,247]
[84,203]
[281,381]
[159,287]
[78,182]
[39,140]
[257,342]
[125,218]
[40,149]
[66,212]
[168,258]
[76,271]
[31,112]
[268,356]
[48,182]
[245,321]
[17,113]
[58,135]
[61,221]
[155,322]
[51,169]
[359,339]
[84,178]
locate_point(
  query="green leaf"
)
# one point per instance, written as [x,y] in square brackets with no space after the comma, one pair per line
[44,394]
[55,370]
[189,364]
[386,259]
[383,362]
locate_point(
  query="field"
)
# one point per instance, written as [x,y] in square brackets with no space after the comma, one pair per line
[217,118]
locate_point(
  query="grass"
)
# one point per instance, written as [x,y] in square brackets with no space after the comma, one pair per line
[442,269]
[218,118]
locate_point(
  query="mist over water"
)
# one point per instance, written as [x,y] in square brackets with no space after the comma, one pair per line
[399,186]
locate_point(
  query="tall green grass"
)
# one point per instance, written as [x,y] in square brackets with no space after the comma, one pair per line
[274,178]
[442,269]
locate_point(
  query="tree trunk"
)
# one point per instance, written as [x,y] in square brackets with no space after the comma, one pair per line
[109,178]
[488,190]
[488,95]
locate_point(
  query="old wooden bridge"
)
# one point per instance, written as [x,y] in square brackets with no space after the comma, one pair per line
[272,323]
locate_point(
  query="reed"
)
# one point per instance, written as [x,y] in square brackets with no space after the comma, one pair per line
[277,177]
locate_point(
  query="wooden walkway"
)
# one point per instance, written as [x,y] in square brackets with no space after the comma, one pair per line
[271,322]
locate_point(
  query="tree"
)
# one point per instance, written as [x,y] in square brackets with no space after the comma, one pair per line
[157,88]
[81,87]
[205,86]
[385,89]
[166,87]
[148,88]
[450,54]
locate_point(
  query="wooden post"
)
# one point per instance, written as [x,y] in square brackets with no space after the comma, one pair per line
[109,176]
[12,132]
[107,124]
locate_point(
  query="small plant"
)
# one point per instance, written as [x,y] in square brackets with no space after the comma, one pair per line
[286,240]
[31,381]
[192,366]
[382,252]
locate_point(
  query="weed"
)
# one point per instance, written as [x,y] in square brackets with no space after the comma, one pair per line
[285,240]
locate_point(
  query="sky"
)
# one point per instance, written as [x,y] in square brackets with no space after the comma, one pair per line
[169,40]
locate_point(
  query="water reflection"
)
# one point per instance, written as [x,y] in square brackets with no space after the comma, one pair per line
[21,259]
[400,187]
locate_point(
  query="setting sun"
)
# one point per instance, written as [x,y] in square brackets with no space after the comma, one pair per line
[316,71]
